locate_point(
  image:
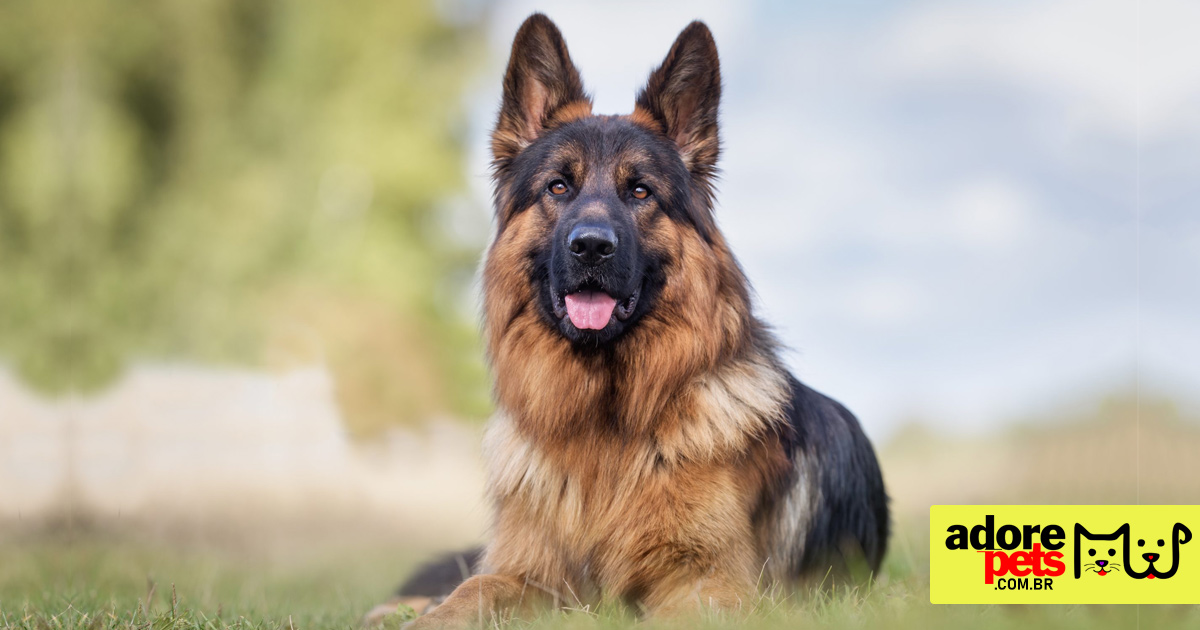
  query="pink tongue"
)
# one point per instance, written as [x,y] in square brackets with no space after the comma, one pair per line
[590,310]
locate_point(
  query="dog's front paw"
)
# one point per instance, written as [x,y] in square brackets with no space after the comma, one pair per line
[394,614]
[427,622]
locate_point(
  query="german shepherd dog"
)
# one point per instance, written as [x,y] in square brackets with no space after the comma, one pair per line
[649,445]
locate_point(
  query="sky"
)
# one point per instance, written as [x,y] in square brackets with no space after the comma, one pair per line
[954,212]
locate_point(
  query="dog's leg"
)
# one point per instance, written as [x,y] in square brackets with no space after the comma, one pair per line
[717,592]
[480,599]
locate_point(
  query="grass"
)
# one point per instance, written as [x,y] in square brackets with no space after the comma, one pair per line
[105,583]
[96,581]
[253,571]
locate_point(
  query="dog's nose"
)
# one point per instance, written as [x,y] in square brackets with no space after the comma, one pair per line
[1102,562]
[592,243]
[1150,557]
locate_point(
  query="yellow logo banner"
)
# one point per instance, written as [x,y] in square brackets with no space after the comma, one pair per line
[1064,554]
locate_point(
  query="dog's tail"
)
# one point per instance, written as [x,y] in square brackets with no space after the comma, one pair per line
[430,584]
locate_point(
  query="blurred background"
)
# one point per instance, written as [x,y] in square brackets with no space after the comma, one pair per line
[238,243]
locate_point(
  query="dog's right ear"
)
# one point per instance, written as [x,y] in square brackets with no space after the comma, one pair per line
[541,81]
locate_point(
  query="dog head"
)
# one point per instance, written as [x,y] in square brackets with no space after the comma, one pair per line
[597,210]
[1161,555]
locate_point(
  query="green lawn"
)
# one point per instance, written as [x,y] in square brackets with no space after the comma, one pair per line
[197,581]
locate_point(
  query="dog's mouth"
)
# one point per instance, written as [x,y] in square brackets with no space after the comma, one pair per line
[589,308]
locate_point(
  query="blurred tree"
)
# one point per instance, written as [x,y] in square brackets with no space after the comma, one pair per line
[237,182]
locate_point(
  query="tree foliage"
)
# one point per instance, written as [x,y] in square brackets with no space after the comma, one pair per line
[254,183]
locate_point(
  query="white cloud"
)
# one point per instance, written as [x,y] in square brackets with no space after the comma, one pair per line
[885,302]
[1079,52]
[990,212]
[1169,67]
[1105,61]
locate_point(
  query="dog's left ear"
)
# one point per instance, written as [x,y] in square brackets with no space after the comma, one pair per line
[682,96]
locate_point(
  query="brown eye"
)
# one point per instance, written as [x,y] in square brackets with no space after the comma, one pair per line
[640,192]
[558,187]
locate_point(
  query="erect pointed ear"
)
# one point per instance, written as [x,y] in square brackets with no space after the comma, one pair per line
[541,81]
[682,96]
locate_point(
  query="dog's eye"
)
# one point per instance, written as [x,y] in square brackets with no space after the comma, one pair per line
[557,187]
[640,192]
[1160,542]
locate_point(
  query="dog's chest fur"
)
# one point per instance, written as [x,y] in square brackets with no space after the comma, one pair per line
[603,511]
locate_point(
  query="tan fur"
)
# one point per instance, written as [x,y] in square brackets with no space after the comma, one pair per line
[645,119]
[570,112]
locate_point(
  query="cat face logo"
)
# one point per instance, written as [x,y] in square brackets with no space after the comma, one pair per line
[1105,553]
[1102,566]
[1101,550]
